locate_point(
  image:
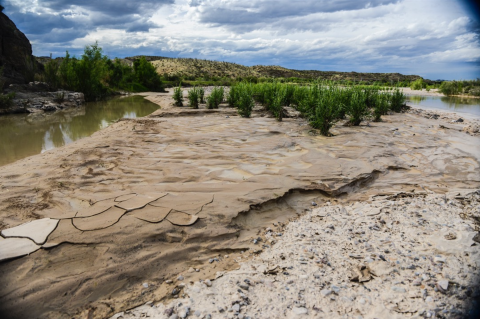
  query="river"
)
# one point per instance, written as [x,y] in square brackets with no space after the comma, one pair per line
[23,135]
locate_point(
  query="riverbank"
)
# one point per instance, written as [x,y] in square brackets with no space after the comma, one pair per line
[146,200]
[39,97]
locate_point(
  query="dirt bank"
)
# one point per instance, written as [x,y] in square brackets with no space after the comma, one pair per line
[145,200]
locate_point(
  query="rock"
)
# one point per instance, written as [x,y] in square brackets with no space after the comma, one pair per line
[197,313]
[442,285]
[417,282]
[15,53]
[174,316]
[208,283]
[180,278]
[439,259]
[399,289]
[326,292]
[183,313]
[145,285]
[243,286]
[460,120]
[236,307]
[300,311]
[335,289]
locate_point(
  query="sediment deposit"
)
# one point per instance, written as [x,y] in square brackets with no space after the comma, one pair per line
[147,199]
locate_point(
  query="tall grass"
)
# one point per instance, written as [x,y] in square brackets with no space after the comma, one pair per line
[323,103]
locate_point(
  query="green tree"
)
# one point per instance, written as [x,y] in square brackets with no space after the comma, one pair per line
[147,75]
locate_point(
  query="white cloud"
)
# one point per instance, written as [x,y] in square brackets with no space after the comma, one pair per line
[379,35]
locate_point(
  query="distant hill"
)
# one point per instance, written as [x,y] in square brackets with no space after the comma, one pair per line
[191,69]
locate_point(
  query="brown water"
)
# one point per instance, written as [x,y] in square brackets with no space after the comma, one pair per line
[23,135]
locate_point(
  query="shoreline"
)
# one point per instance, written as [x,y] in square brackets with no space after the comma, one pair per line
[232,176]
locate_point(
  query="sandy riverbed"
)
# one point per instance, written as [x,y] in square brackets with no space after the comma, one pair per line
[145,200]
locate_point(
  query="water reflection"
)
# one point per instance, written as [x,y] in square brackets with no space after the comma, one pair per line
[447,103]
[24,135]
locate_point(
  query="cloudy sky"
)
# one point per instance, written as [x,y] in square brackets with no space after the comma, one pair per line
[437,39]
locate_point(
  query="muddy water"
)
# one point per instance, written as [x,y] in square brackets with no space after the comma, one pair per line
[469,106]
[23,135]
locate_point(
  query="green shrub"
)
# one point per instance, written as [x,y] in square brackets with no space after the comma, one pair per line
[215,98]
[381,107]
[6,100]
[397,101]
[417,84]
[233,96]
[449,88]
[193,97]
[51,74]
[357,108]
[201,95]
[245,103]
[178,96]
[324,113]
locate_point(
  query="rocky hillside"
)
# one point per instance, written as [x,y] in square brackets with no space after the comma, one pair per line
[15,53]
[195,68]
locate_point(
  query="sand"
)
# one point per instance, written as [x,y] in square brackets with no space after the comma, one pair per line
[145,200]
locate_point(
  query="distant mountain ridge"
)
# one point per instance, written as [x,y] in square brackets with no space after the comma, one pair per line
[190,68]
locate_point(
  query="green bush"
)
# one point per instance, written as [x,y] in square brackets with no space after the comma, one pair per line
[201,95]
[417,84]
[324,113]
[381,107]
[193,97]
[245,103]
[357,108]
[6,100]
[215,98]
[449,88]
[233,96]
[178,96]
[397,101]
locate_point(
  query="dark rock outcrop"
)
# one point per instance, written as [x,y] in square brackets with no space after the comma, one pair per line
[16,56]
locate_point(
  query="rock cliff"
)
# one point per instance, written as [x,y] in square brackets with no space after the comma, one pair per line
[15,54]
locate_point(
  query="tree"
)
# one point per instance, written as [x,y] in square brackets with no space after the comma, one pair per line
[146,74]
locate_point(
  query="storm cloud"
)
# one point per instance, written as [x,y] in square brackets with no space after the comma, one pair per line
[432,38]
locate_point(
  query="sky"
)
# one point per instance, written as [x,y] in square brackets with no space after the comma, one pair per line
[436,39]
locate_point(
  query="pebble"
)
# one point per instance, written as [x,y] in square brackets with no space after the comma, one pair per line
[236,307]
[197,313]
[145,285]
[174,316]
[417,282]
[300,310]
[208,283]
[443,284]
[326,292]
[180,278]
[335,289]
[183,313]
[398,289]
